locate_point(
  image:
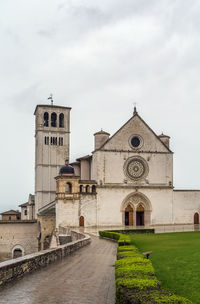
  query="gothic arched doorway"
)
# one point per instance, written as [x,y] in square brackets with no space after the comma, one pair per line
[196,218]
[136,210]
[140,216]
[129,216]
[81,221]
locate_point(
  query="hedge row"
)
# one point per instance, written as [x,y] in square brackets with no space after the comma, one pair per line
[135,231]
[136,282]
[122,239]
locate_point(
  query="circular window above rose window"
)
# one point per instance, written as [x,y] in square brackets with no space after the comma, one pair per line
[135,142]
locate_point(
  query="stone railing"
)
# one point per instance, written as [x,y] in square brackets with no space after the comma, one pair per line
[13,269]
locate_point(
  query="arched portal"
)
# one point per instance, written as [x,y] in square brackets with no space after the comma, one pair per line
[141,208]
[196,218]
[140,216]
[129,216]
[81,221]
[17,251]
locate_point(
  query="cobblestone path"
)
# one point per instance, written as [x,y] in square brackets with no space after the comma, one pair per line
[85,277]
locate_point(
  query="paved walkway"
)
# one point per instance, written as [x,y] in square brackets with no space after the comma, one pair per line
[85,277]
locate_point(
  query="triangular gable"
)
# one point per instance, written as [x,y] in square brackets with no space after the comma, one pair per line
[135,126]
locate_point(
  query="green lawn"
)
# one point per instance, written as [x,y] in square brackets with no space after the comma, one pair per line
[176,259]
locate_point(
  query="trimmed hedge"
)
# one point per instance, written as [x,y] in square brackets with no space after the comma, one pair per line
[135,231]
[122,239]
[136,282]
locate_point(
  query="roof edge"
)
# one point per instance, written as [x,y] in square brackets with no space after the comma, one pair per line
[134,115]
[50,106]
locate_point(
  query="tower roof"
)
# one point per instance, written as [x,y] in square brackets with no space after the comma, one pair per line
[66,169]
[50,106]
[102,132]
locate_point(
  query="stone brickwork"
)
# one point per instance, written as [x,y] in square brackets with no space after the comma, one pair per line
[16,268]
[47,226]
[18,233]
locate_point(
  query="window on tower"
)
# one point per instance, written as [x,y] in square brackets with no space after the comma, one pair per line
[46,119]
[53,119]
[68,188]
[54,141]
[60,141]
[61,120]
[46,140]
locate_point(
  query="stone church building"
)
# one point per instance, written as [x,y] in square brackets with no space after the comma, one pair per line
[126,181]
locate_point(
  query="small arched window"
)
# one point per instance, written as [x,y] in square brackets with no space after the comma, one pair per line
[94,189]
[87,189]
[53,119]
[68,188]
[81,188]
[61,120]
[46,119]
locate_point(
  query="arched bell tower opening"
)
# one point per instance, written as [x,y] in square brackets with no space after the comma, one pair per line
[136,210]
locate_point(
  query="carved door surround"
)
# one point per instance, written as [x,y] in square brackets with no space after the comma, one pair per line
[139,203]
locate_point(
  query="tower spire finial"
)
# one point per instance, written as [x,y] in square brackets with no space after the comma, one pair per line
[135,110]
[51,98]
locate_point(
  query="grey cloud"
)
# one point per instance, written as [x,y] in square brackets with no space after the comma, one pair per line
[99,57]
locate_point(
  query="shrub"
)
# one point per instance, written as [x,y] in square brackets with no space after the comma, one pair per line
[129,253]
[134,270]
[110,235]
[130,260]
[150,297]
[126,248]
[135,231]
[121,238]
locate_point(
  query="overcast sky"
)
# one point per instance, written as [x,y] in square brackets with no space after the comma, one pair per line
[98,57]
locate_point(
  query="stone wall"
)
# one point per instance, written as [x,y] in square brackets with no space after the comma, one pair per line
[18,233]
[186,204]
[46,227]
[16,268]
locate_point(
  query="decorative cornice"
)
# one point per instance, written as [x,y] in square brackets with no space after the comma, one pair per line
[132,151]
[186,190]
[134,187]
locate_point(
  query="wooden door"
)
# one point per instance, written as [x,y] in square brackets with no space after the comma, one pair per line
[81,221]
[196,218]
[140,216]
[129,216]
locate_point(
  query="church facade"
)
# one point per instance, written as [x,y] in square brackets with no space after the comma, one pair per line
[126,181]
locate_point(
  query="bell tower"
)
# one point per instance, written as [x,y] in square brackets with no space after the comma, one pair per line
[52,131]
